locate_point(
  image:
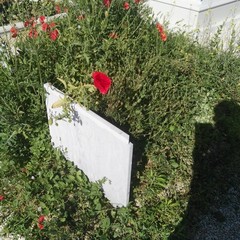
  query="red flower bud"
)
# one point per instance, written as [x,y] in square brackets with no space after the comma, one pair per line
[33,33]
[126,6]
[40,226]
[58,9]
[42,19]
[41,219]
[14,32]
[107,3]
[54,35]
[163,36]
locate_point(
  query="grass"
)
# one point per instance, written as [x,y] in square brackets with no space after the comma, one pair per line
[178,100]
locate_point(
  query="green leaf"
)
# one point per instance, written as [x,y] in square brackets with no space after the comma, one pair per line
[59,103]
[71,177]
[63,82]
[174,164]
[50,121]
[105,223]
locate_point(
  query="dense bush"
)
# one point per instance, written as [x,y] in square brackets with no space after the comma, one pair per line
[160,89]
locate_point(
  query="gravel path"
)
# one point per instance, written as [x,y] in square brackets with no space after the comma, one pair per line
[222,223]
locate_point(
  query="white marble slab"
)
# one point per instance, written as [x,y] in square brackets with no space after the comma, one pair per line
[95,146]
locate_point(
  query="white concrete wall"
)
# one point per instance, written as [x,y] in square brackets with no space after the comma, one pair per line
[213,14]
[205,16]
[176,12]
[94,145]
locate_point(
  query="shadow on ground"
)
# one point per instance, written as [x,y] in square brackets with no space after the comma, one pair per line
[213,210]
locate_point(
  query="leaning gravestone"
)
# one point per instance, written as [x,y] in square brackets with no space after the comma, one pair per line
[95,146]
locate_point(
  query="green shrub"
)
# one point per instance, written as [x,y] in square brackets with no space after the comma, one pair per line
[160,89]
[14,11]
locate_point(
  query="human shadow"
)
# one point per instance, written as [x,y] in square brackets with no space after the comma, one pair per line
[213,210]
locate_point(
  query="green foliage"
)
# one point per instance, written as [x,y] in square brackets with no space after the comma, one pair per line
[53,188]
[15,11]
[159,91]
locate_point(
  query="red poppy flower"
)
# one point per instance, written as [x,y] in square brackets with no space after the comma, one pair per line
[45,27]
[26,23]
[41,219]
[101,81]
[126,6]
[33,33]
[54,35]
[163,36]
[1,197]
[113,35]
[137,1]
[159,27]
[107,3]
[58,9]
[14,32]
[42,19]
[31,22]
[40,226]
